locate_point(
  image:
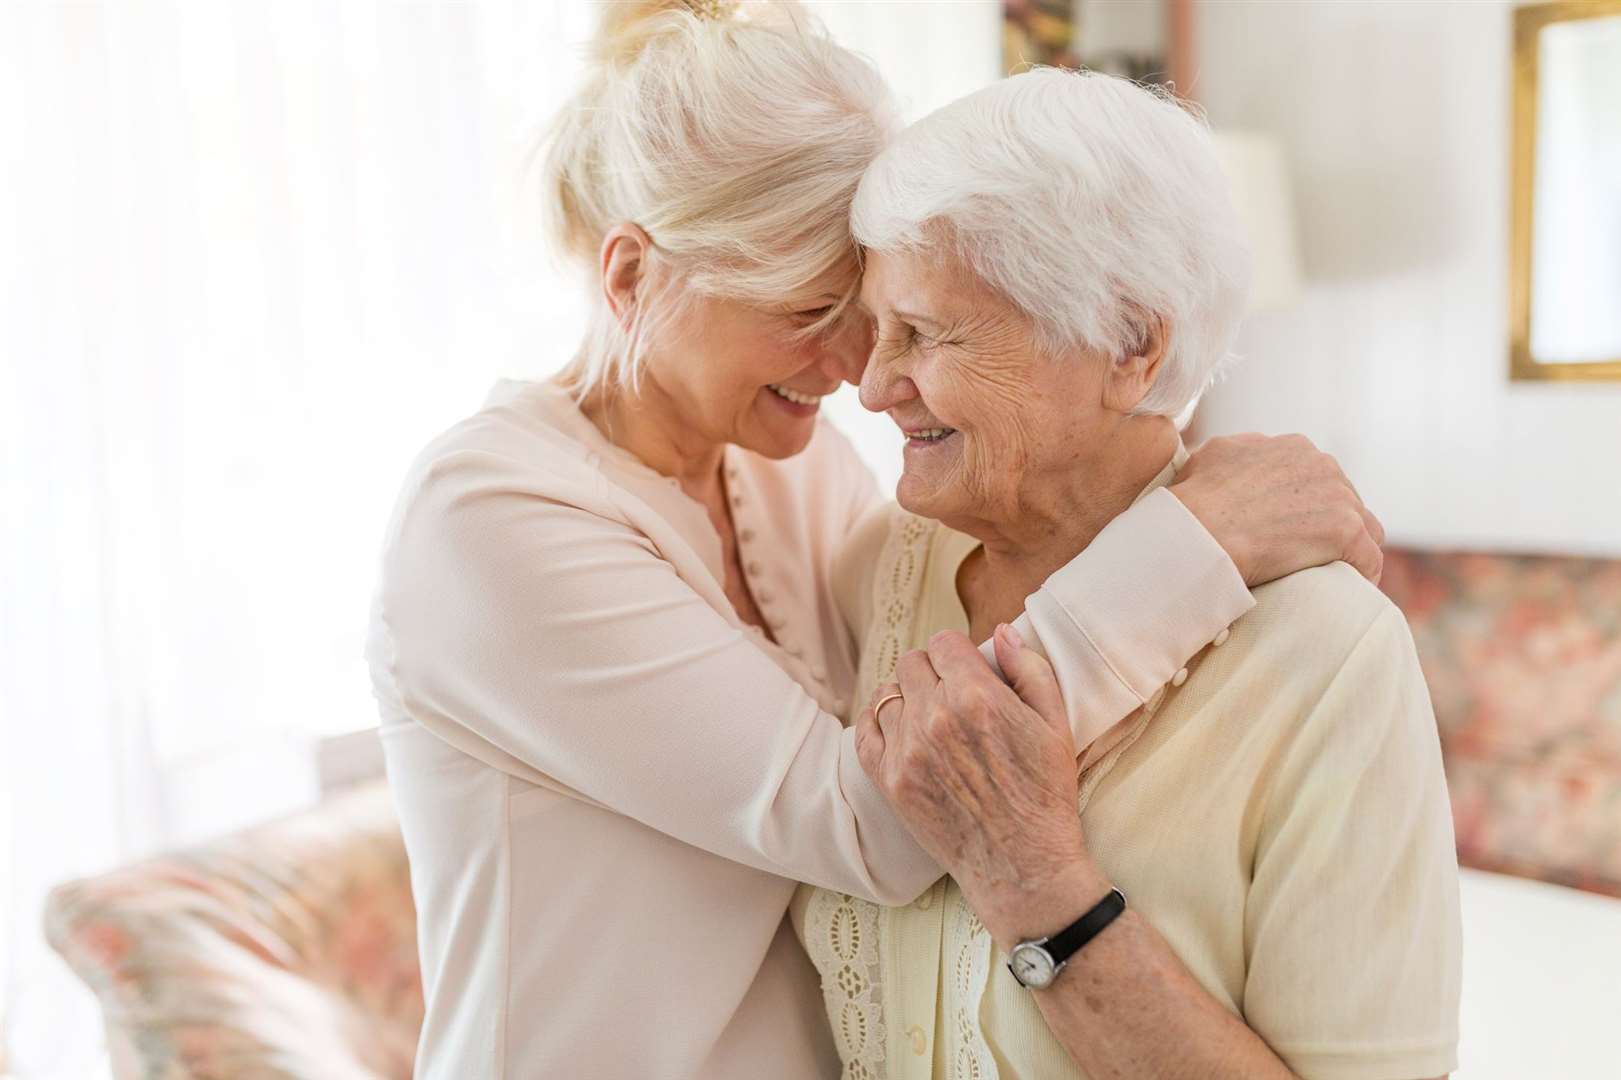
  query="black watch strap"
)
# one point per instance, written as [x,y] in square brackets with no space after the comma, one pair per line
[1069,941]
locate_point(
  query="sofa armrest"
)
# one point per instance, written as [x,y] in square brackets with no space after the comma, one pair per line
[287,950]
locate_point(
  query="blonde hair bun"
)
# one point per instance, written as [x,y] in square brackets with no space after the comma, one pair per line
[626,26]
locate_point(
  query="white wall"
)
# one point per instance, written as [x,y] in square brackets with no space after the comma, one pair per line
[1396,118]
[931,54]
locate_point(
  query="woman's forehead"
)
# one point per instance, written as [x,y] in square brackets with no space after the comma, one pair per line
[921,282]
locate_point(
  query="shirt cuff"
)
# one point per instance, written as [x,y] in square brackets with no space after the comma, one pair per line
[1122,618]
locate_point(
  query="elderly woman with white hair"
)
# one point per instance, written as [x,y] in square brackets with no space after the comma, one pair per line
[611,672]
[1056,271]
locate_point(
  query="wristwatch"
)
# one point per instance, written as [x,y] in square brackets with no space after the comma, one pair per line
[1037,963]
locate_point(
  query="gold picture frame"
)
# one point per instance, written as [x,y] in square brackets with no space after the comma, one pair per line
[1528,25]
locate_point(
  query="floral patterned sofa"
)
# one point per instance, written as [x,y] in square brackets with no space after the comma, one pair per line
[285,951]
[289,950]
[1523,657]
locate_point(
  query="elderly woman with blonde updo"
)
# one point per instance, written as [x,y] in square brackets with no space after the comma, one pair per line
[610,665]
[1056,270]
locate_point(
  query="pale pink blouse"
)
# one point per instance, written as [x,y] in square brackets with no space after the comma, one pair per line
[609,785]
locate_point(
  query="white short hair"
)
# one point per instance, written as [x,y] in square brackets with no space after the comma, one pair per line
[1092,203]
[734,138]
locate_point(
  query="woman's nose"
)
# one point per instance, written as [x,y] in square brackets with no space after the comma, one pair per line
[883,384]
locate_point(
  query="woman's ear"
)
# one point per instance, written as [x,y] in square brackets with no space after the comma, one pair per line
[624,260]
[1130,378]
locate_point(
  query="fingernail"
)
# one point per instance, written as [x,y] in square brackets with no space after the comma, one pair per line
[1011,635]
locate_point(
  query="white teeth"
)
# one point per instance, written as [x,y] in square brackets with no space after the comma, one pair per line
[931,434]
[794,395]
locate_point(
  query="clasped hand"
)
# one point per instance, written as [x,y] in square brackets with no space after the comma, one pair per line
[983,773]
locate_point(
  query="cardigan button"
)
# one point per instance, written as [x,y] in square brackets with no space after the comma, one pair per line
[1221,638]
[1180,677]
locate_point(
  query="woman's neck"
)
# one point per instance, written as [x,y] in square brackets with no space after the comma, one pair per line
[646,423]
[1057,519]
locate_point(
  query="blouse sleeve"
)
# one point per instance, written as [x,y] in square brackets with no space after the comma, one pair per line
[1121,618]
[1352,927]
[564,642]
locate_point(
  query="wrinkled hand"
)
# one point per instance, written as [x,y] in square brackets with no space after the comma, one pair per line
[984,776]
[1277,504]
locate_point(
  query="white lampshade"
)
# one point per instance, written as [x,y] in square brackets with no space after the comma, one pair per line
[1255,167]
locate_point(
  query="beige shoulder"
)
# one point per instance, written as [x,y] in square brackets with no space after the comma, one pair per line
[1332,599]
[1313,620]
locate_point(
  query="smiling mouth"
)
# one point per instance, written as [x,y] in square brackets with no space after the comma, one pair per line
[794,395]
[925,436]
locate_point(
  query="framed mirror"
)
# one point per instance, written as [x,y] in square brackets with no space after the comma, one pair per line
[1565,269]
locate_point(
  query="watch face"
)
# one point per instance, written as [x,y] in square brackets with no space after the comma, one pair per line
[1032,966]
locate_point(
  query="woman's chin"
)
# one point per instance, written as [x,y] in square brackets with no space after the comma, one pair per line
[917,495]
[778,429]
[777,443]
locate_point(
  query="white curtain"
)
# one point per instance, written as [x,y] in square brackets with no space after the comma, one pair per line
[252,255]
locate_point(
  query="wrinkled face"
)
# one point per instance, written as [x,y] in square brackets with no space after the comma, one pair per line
[744,374]
[993,422]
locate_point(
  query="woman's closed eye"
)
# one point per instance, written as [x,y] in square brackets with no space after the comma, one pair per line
[811,316]
[899,338]
[928,343]
[892,340]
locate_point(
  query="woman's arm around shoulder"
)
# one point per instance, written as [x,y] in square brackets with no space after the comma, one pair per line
[1170,574]
[543,634]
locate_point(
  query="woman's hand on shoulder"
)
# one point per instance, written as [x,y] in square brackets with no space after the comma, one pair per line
[1277,504]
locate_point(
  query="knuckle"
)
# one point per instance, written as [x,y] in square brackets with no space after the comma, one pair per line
[975,697]
[971,702]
